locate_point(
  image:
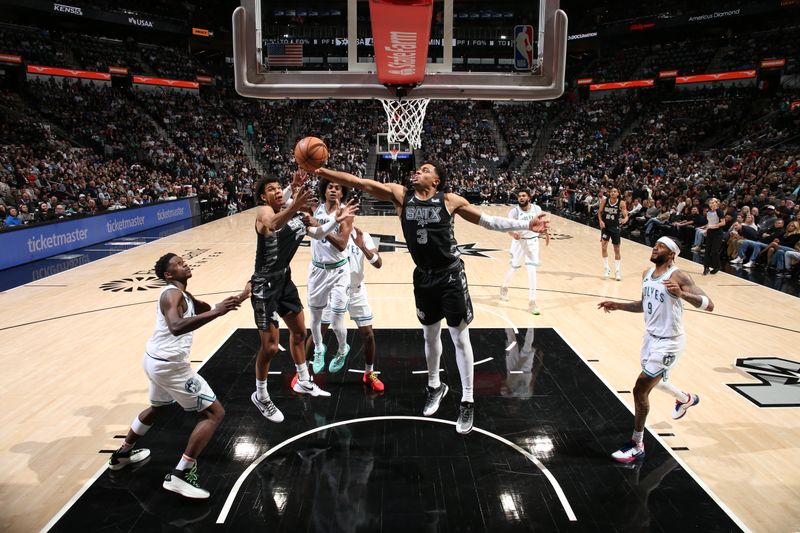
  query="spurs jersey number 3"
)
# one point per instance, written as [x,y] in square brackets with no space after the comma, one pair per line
[663,312]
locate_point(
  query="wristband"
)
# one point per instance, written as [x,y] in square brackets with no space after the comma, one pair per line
[375,257]
[703,303]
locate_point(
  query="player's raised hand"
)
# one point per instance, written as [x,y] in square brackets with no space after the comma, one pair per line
[302,201]
[298,179]
[346,211]
[540,223]
[359,238]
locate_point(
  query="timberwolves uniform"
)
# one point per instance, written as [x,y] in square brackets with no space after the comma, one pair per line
[440,283]
[274,293]
[329,273]
[663,317]
[358,307]
[166,363]
[611,214]
[527,246]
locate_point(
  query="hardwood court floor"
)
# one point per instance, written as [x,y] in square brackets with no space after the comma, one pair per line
[72,346]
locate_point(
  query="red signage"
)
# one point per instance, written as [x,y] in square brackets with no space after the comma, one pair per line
[10,58]
[667,74]
[794,105]
[773,63]
[719,76]
[640,27]
[621,85]
[401,33]
[585,81]
[118,70]
[146,80]
[205,79]
[68,73]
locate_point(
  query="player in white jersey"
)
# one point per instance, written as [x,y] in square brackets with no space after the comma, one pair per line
[524,247]
[166,363]
[361,247]
[329,277]
[663,288]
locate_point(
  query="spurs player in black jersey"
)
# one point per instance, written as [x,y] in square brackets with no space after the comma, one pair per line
[440,283]
[612,214]
[279,231]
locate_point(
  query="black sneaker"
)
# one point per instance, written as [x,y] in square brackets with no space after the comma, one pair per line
[433,398]
[466,416]
[120,460]
[184,482]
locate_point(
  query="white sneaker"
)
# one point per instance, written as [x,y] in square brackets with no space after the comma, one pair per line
[606,273]
[185,483]
[120,460]
[433,398]
[618,276]
[466,417]
[532,307]
[308,387]
[629,453]
[737,261]
[267,408]
[681,408]
[695,248]
[503,294]
[749,264]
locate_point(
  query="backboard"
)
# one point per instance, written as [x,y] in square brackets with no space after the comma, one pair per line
[470,53]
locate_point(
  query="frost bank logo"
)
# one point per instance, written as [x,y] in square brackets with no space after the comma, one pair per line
[165,214]
[40,242]
[402,53]
[124,223]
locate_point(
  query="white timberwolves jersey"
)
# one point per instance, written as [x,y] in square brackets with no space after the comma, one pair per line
[663,312]
[163,344]
[357,258]
[321,250]
[518,214]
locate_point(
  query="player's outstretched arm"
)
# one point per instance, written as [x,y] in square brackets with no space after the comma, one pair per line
[632,307]
[389,192]
[178,325]
[683,286]
[459,205]
[272,221]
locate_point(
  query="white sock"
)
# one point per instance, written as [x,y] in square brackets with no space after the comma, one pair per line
[531,282]
[465,360]
[638,438]
[185,463]
[316,326]
[302,371]
[509,275]
[617,263]
[261,390]
[605,261]
[368,368]
[433,352]
[339,329]
[669,388]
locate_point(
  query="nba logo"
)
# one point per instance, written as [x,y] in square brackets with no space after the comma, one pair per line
[523,47]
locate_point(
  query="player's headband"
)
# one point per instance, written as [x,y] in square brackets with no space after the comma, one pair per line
[669,243]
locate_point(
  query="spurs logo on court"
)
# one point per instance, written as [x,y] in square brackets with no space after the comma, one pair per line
[560,236]
[133,283]
[389,243]
[780,381]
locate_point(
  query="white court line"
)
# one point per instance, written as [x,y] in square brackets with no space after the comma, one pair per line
[281,348]
[274,372]
[424,371]
[103,468]
[516,372]
[476,363]
[655,435]
[511,346]
[361,371]
[223,515]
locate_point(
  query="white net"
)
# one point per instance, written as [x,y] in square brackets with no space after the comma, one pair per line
[405,118]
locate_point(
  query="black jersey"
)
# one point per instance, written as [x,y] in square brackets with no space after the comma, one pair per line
[611,214]
[274,252]
[428,231]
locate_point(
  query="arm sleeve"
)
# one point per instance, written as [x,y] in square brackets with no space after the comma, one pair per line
[320,232]
[502,224]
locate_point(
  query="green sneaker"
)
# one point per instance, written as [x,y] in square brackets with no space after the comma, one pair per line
[337,363]
[318,364]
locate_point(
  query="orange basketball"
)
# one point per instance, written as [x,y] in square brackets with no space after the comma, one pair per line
[310,153]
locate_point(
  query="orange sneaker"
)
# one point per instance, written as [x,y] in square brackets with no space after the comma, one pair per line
[294,380]
[371,379]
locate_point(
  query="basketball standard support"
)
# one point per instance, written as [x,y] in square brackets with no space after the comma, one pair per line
[252,82]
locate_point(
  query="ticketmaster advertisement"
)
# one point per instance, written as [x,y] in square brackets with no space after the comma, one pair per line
[28,244]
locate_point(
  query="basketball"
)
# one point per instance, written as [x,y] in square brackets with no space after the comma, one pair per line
[310,153]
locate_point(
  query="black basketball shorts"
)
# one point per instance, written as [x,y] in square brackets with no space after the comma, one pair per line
[612,234]
[443,294]
[273,296]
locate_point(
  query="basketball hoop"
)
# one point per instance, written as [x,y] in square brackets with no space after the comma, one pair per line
[405,118]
